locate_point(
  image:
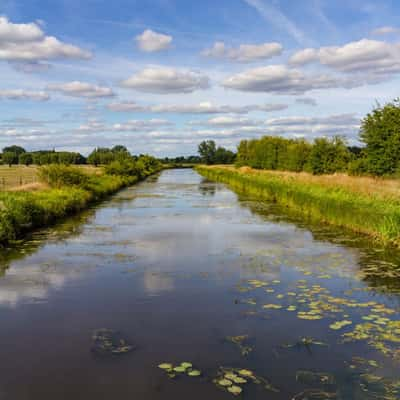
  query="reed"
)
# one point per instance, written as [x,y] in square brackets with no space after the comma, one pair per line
[366,209]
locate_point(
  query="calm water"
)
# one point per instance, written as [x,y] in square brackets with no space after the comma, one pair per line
[176,266]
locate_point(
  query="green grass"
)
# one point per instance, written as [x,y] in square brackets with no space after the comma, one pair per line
[376,216]
[70,190]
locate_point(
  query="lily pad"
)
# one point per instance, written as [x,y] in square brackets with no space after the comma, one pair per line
[194,372]
[245,372]
[239,380]
[180,369]
[224,382]
[235,390]
[166,366]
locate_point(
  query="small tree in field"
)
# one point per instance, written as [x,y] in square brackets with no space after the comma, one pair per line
[380,131]
[10,158]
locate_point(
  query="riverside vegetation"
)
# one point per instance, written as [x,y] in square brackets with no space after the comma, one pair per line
[338,200]
[314,179]
[68,189]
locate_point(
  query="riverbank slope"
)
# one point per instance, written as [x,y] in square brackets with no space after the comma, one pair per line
[366,205]
[66,191]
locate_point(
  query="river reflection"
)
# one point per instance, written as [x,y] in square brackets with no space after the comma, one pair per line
[189,271]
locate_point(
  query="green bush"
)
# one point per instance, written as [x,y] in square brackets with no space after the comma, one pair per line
[61,175]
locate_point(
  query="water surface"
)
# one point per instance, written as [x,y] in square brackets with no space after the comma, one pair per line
[177,265]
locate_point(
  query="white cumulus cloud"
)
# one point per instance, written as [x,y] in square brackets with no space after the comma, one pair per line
[374,57]
[20,94]
[245,52]
[150,41]
[27,42]
[280,79]
[82,89]
[166,80]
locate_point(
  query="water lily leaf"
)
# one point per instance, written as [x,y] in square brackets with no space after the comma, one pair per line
[180,369]
[235,390]
[245,372]
[165,366]
[239,380]
[340,324]
[194,372]
[186,365]
[224,382]
[272,306]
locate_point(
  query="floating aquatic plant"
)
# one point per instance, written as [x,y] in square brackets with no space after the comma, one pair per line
[315,394]
[314,378]
[340,324]
[181,369]
[239,341]
[233,380]
[272,306]
[304,343]
[107,341]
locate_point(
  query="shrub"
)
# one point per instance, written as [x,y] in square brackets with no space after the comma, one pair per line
[62,175]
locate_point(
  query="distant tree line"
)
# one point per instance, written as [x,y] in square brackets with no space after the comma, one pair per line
[181,160]
[379,155]
[13,155]
[324,156]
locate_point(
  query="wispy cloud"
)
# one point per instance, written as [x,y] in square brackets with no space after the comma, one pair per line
[277,18]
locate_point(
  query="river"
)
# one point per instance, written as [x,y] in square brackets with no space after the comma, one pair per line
[178,269]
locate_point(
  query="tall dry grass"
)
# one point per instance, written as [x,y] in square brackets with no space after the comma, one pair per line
[366,205]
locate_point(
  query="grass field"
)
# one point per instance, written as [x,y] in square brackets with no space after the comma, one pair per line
[20,177]
[366,205]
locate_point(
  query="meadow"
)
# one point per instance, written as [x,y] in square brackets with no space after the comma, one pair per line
[25,178]
[365,205]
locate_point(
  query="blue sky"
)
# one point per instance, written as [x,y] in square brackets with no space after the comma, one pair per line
[159,76]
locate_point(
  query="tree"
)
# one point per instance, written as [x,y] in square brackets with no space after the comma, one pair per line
[25,158]
[14,149]
[207,150]
[224,156]
[10,158]
[380,131]
[328,156]
[119,149]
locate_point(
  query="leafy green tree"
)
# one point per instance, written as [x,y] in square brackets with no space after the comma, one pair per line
[380,131]
[14,149]
[207,150]
[10,158]
[224,156]
[119,149]
[328,156]
[25,159]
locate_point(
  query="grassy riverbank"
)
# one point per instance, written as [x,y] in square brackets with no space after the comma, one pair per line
[366,205]
[65,191]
